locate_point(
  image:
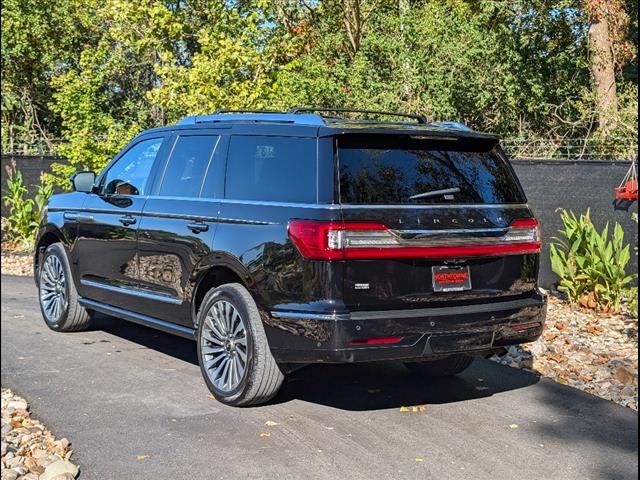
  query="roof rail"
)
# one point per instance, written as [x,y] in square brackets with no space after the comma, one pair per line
[452,126]
[224,116]
[226,110]
[299,110]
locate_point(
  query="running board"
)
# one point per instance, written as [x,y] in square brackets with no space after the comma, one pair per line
[140,319]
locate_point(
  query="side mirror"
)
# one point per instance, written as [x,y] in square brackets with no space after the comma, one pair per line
[83,181]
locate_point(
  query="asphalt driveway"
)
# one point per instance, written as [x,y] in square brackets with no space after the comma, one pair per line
[122,392]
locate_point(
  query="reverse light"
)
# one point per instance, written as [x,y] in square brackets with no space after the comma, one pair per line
[361,240]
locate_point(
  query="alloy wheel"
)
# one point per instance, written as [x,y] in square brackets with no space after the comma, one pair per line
[53,289]
[223,346]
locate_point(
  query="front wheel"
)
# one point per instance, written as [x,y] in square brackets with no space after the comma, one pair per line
[445,367]
[58,297]
[233,352]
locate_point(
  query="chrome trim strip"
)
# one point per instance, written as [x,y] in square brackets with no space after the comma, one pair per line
[138,318]
[246,222]
[166,164]
[447,311]
[328,206]
[509,206]
[206,172]
[338,206]
[179,216]
[129,291]
[311,316]
[420,234]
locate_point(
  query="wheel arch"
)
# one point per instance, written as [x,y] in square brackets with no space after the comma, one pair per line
[214,270]
[48,235]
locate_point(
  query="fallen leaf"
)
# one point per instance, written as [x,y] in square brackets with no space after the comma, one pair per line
[211,396]
[269,423]
[265,434]
[623,375]
[142,457]
[556,357]
[513,426]
[419,460]
[414,409]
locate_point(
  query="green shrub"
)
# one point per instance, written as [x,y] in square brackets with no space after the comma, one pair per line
[591,264]
[24,213]
[632,294]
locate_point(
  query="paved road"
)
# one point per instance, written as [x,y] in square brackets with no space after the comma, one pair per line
[122,390]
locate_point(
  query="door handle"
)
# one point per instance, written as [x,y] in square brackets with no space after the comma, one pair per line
[198,227]
[127,220]
[70,217]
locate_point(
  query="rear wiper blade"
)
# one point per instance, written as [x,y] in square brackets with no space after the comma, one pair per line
[435,193]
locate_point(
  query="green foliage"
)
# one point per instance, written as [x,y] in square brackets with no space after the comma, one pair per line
[632,293]
[96,73]
[591,264]
[39,39]
[24,213]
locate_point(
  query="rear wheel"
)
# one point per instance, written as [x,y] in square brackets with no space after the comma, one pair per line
[445,367]
[233,352]
[57,293]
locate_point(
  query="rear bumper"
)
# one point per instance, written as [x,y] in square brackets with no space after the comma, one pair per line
[297,337]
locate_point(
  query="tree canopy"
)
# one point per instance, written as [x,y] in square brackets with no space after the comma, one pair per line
[95,73]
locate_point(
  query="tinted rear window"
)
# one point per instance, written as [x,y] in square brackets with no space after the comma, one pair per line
[188,163]
[391,171]
[273,169]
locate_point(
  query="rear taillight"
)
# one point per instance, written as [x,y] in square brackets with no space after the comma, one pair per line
[356,240]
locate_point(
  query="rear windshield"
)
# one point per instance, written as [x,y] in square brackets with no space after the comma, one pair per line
[413,170]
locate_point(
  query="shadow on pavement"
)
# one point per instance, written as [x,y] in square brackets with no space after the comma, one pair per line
[376,386]
[356,387]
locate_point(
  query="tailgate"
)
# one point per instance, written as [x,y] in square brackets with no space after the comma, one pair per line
[414,204]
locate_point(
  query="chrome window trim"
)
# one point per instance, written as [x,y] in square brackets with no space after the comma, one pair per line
[206,171]
[335,206]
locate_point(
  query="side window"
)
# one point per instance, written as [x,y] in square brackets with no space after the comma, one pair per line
[129,175]
[276,169]
[187,166]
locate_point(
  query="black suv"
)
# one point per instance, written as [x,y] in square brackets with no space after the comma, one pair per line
[282,239]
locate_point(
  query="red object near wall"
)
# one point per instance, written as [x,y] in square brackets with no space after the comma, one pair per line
[628,189]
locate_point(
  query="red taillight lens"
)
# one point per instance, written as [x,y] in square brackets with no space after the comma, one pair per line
[359,240]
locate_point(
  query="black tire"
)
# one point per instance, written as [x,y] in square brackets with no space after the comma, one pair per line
[444,367]
[71,316]
[262,378]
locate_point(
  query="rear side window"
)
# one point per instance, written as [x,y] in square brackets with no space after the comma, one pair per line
[187,165]
[275,169]
[403,170]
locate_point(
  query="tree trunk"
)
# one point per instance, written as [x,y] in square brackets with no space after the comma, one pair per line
[603,69]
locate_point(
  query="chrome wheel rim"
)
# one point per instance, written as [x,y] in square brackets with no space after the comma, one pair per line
[53,289]
[223,346]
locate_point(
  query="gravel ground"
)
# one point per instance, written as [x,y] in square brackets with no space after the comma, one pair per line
[595,353]
[17,263]
[29,450]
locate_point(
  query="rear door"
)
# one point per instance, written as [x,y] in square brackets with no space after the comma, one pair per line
[179,223]
[108,223]
[450,222]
